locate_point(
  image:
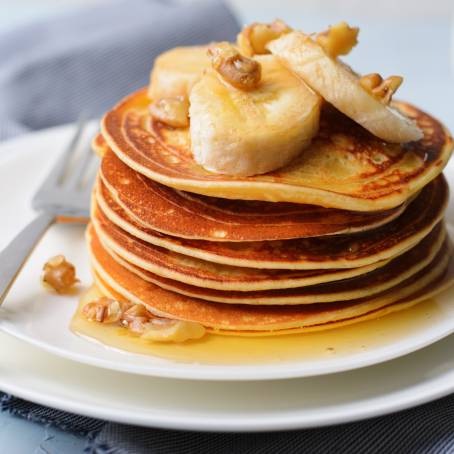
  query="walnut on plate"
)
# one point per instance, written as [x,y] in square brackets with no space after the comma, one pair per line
[105,310]
[135,318]
[138,320]
[59,274]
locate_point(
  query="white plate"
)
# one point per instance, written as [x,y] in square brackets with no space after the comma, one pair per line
[39,318]
[33,374]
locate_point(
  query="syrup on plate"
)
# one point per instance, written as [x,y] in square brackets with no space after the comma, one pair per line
[222,349]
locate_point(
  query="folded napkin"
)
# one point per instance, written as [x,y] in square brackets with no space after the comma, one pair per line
[53,71]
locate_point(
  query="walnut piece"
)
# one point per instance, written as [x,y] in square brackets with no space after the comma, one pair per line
[105,310]
[236,69]
[382,89]
[137,319]
[59,274]
[253,39]
[339,39]
[171,111]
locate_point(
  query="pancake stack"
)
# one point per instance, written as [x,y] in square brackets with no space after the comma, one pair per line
[374,243]
[348,230]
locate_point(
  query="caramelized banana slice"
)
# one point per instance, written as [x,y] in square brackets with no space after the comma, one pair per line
[253,39]
[317,64]
[250,131]
[176,71]
[165,330]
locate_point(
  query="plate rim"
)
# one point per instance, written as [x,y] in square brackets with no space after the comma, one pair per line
[204,372]
[382,405]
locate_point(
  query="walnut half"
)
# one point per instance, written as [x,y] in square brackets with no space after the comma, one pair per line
[382,89]
[59,274]
[236,69]
[135,318]
[138,320]
[105,310]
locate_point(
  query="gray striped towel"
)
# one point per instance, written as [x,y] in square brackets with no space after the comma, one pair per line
[428,429]
[51,72]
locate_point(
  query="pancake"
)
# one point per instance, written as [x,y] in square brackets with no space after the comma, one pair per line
[188,215]
[346,251]
[235,318]
[390,275]
[201,273]
[345,167]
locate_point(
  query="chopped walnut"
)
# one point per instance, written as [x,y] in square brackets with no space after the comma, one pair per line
[135,318]
[254,38]
[135,311]
[171,111]
[339,39]
[382,89]
[137,325]
[59,274]
[105,310]
[94,311]
[241,72]
[166,330]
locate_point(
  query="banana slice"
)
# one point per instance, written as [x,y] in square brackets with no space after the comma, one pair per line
[176,71]
[341,87]
[248,132]
[165,330]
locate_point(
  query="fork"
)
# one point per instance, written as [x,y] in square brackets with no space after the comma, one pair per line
[65,193]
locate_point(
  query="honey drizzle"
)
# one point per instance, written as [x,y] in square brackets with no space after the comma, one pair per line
[219,349]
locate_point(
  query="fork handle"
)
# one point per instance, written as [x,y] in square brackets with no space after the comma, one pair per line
[14,256]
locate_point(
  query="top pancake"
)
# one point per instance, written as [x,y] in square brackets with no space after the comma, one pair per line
[345,167]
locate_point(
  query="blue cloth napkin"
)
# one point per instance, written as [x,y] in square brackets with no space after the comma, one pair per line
[428,429]
[51,72]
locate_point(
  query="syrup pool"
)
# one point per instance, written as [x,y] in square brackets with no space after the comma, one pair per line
[222,349]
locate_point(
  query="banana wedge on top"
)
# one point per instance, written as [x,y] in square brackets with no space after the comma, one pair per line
[249,132]
[176,71]
[341,87]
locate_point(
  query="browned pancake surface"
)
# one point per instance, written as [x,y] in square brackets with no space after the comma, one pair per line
[326,252]
[233,316]
[370,283]
[190,215]
[177,266]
